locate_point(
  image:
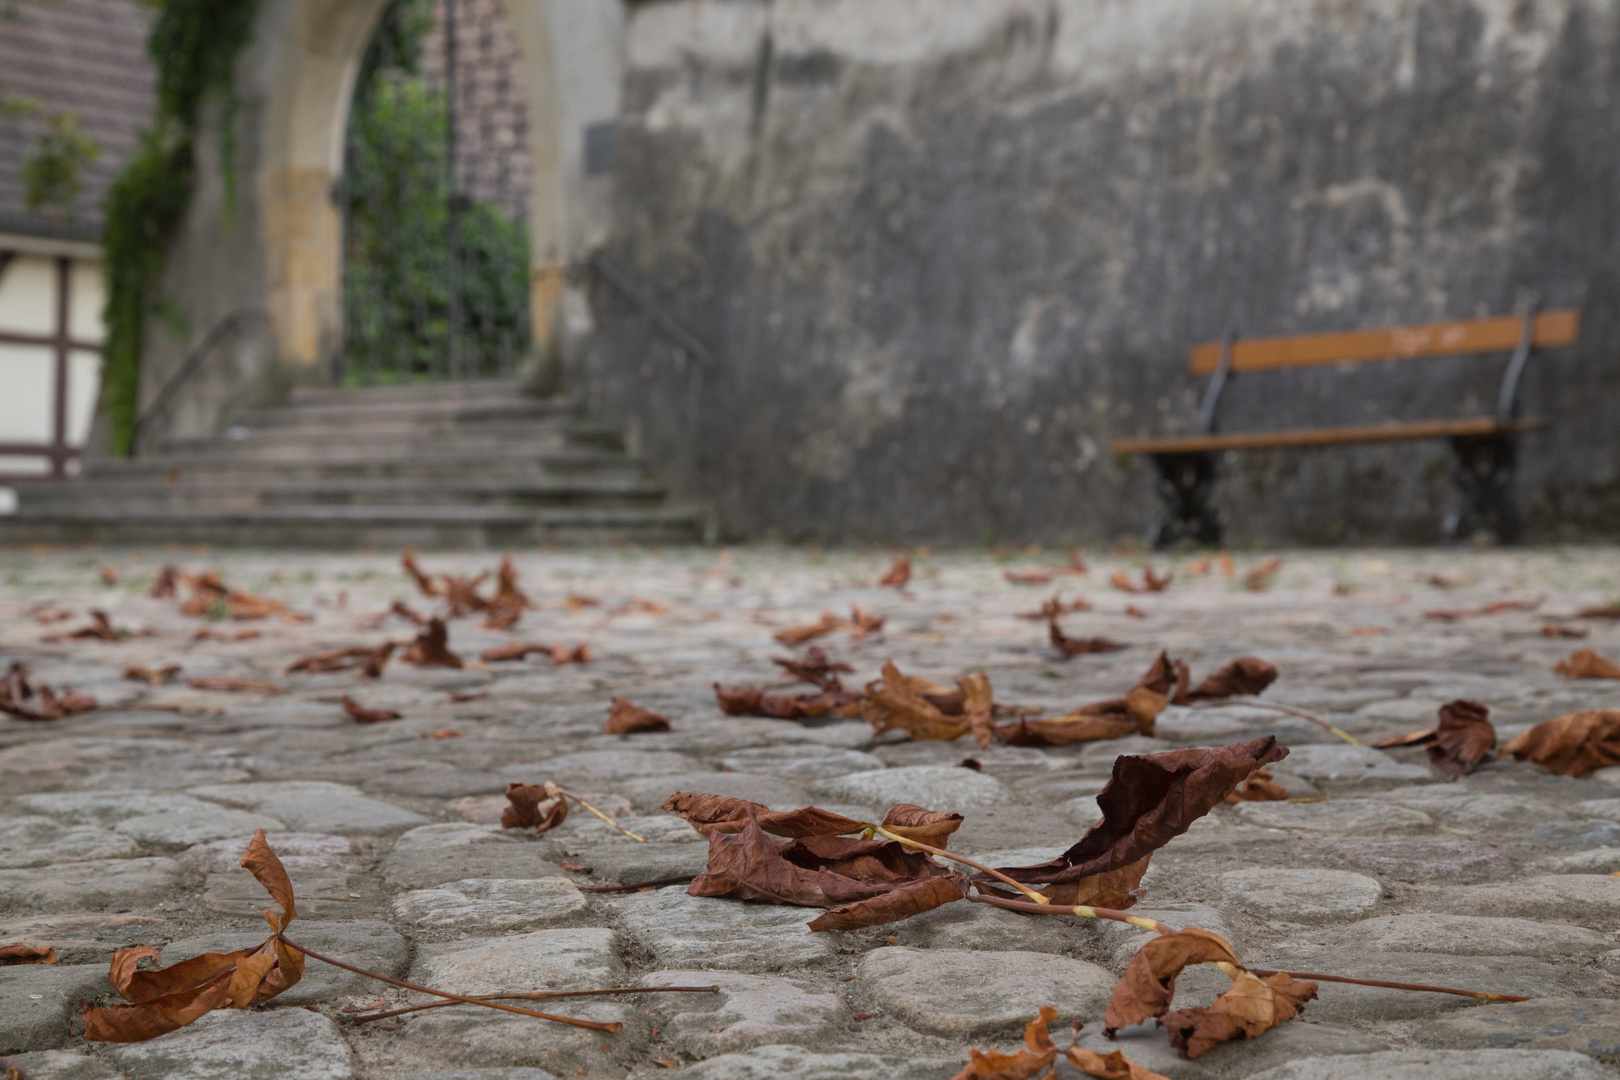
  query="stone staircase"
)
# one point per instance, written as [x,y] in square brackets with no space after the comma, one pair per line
[462,465]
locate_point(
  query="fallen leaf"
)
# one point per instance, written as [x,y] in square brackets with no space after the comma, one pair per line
[579,654]
[1552,630]
[1247,676]
[109,575]
[443,733]
[666,1063]
[1260,577]
[165,583]
[1069,646]
[577,602]
[516,651]
[1228,567]
[1199,567]
[360,714]
[407,560]
[899,573]
[1464,737]
[896,702]
[150,676]
[1055,606]
[345,659]
[409,614]
[1587,664]
[26,954]
[169,998]
[1037,1055]
[1077,563]
[233,685]
[431,648]
[1261,786]
[752,701]
[1571,745]
[1035,576]
[1148,801]
[1151,582]
[100,629]
[798,635]
[15,689]
[1149,983]
[1133,714]
[1247,1009]
[1607,611]
[1440,581]
[1135,612]
[1110,1066]
[541,807]
[627,719]
[509,602]
[814,667]
[863,624]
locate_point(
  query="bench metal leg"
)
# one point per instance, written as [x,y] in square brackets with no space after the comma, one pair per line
[1483,474]
[1186,484]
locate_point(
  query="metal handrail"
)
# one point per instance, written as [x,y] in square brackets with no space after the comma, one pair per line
[211,341]
[660,318]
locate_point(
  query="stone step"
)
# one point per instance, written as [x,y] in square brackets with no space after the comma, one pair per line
[470,392]
[354,526]
[285,444]
[432,413]
[424,465]
[207,494]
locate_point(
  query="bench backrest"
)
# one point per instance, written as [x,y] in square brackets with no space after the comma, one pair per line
[1459,338]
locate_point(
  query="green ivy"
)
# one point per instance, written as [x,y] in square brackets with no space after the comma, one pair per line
[194,46]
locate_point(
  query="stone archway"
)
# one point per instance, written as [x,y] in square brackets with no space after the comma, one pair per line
[313,59]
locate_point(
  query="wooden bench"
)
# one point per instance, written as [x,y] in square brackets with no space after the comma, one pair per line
[1485,447]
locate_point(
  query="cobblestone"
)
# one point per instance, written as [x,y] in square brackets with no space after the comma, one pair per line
[123,826]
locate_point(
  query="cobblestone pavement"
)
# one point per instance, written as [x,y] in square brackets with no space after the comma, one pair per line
[123,825]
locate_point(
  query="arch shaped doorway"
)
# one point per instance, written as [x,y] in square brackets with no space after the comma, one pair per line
[316,60]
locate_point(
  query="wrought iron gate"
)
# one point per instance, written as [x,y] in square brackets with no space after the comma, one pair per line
[435,199]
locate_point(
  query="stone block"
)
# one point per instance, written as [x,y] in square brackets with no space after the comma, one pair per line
[969,994]
[491,904]
[1441,1065]
[229,1044]
[1304,896]
[714,932]
[748,1011]
[89,886]
[945,788]
[39,1002]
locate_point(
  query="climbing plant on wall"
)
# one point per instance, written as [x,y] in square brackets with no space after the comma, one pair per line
[194,46]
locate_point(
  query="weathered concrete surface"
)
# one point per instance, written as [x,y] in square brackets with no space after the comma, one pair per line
[1497,881]
[946,252]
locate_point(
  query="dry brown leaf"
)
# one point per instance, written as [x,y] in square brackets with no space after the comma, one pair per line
[541,807]
[443,733]
[233,685]
[170,998]
[15,689]
[362,715]
[1148,801]
[1069,646]
[1552,630]
[1149,982]
[100,629]
[516,651]
[1151,582]
[1587,664]
[798,635]
[709,814]
[752,701]
[627,719]
[26,954]
[898,703]
[814,667]
[409,614]
[863,623]
[579,654]
[431,648]
[1245,676]
[1261,786]
[1110,1066]
[1248,1008]
[1259,577]
[1607,611]
[1464,737]
[578,601]
[1034,576]
[901,902]
[1037,1055]
[1051,608]
[164,585]
[345,659]
[1133,714]
[1571,745]
[407,560]
[899,573]
[509,602]
[151,676]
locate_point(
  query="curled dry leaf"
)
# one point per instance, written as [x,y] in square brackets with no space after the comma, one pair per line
[1035,576]
[100,629]
[864,623]
[1148,801]
[1037,1055]
[1261,786]
[1245,676]
[365,658]
[1553,630]
[26,954]
[752,701]
[1069,646]
[1249,1007]
[1464,737]
[170,998]
[510,602]
[408,613]
[1259,577]
[1587,664]
[1606,611]
[431,648]
[579,654]
[798,635]
[625,718]
[233,685]
[164,585]
[814,667]
[362,715]
[407,561]
[151,676]
[1151,582]
[921,709]
[15,689]
[519,650]
[1054,606]
[898,574]
[1110,1066]
[1571,745]
[1133,714]
[541,807]
[1149,982]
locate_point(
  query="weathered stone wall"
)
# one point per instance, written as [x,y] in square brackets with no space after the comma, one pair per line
[947,249]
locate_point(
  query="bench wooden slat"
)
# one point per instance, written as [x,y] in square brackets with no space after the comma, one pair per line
[1259,440]
[1500,334]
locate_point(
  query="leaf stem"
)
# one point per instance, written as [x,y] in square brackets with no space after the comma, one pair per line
[637,886]
[536,995]
[613,1028]
[1291,711]
[1082,911]
[1480,995]
[598,813]
[1034,896]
